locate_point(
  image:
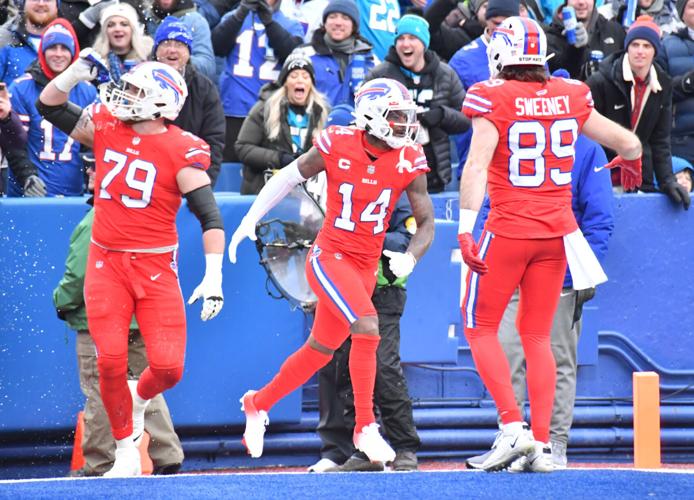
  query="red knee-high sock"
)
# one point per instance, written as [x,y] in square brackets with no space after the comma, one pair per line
[541,372]
[294,372]
[115,394]
[493,368]
[362,370]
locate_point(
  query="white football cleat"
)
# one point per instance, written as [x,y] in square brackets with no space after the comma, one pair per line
[370,441]
[138,412]
[538,460]
[127,463]
[514,441]
[256,420]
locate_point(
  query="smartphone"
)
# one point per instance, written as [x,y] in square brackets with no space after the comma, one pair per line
[3,88]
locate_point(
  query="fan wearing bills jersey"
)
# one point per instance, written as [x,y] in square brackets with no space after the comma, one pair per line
[143,168]
[367,168]
[525,125]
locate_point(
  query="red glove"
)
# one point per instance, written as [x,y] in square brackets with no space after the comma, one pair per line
[631,171]
[470,252]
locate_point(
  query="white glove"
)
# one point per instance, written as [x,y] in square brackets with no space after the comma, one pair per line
[210,289]
[401,264]
[84,69]
[34,187]
[92,15]
[245,230]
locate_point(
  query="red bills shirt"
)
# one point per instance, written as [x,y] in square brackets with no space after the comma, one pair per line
[362,192]
[529,177]
[136,196]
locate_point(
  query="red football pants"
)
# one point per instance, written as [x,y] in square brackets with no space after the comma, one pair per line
[118,285]
[537,267]
[344,292]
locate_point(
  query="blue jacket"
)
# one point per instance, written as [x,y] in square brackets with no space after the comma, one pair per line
[58,163]
[677,58]
[591,203]
[251,63]
[337,86]
[16,53]
[470,62]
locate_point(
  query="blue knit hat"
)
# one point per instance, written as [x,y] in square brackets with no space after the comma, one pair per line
[172,29]
[346,7]
[505,8]
[410,24]
[57,34]
[644,28]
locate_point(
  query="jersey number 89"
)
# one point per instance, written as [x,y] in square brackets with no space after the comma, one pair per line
[536,153]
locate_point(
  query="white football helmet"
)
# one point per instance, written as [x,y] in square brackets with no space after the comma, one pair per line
[149,91]
[385,109]
[518,41]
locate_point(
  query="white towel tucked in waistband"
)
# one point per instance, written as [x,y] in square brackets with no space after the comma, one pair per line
[586,271]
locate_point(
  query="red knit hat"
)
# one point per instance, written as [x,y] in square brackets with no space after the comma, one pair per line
[644,29]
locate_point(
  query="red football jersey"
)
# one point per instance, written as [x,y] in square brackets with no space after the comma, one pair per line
[362,192]
[529,177]
[136,196]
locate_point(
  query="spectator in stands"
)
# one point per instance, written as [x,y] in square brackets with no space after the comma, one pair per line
[282,124]
[684,173]
[120,41]
[662,12]
[202,113]
[632,91]
[436,89]
[202,56]
[341,56]
[593,32]
[391,395]
[470,62]
[255,38]
[592,207]
[377,21]
[98,445]
[12,134]
[306,12]
[676,58]
[19,42]
[454,24]
[51,163]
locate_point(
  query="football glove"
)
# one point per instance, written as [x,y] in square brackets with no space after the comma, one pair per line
[85,68]
[400,263]
[470,252]
[210,289]
[630,173]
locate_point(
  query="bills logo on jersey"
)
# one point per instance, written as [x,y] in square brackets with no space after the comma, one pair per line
[167,82]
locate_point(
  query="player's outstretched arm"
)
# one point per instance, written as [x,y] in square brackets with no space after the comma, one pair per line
[473,185]
[53,102]
[195,186]
[279,185]
[612,135]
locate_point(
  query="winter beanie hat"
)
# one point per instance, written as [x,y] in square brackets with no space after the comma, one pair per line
[644,29]
[346,7]
[410,24]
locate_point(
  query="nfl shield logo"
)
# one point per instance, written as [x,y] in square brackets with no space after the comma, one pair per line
[371,169]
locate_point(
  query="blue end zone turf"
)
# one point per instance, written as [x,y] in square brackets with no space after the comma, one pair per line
[392,486]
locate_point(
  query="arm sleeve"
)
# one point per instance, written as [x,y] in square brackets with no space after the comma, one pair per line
[69,295]
[281,41]
[225,33]
[12,133]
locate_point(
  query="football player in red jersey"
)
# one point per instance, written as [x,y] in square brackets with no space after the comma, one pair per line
[367,166]
[525,125]
[143,167]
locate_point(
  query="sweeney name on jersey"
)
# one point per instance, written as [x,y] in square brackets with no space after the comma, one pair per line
[136,194]
[362,192]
